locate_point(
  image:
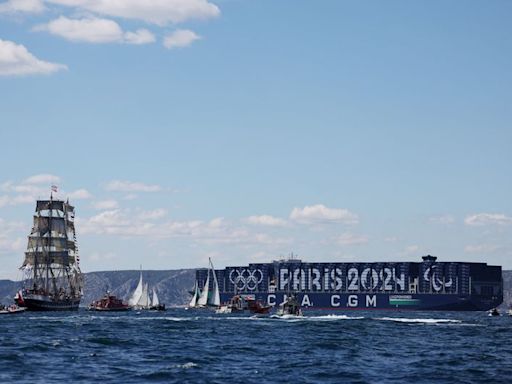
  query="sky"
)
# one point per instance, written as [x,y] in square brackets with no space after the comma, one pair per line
[246,130]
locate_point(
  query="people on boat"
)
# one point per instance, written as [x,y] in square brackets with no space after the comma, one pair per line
[494,312]
[290,307]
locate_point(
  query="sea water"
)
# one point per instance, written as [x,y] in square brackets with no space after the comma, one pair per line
[196,346]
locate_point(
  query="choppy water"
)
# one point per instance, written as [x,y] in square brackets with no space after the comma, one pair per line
[201,347]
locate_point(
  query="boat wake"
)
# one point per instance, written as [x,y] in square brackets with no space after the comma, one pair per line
[335,317]
[419,321]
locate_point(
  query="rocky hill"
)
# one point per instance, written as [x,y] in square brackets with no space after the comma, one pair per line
[172,286]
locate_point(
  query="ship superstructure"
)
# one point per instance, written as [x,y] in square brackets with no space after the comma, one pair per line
[52,278]
[425,285]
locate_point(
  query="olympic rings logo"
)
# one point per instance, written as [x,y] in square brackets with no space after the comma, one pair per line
[245,278]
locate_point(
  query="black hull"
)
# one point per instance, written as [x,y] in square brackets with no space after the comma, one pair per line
[160,307]
[33,304]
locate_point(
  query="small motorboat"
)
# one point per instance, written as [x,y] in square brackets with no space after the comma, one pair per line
[223,310]
[257,307]
[11,309]
[109,303]
[241,303]
[236,304]
[290,308]
[494,312]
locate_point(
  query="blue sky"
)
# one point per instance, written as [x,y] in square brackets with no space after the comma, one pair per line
[245,130]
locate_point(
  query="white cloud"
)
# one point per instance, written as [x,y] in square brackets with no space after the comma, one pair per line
[487,219]
[79,194]
[11,239]
[216,223]
[160,12]
[94,30]
[96,256]
[16,60]
[29,198]
[90,30]
[140,36]
[320,213]
[43,178]
[126,222]
[411,250]
[128,186]
[180,38]
[28,191]
[443,219]
[152,215]
[19,6]
[480,248]
[105,204]
[4,200]
[351,239]
[266,220]
[10,246]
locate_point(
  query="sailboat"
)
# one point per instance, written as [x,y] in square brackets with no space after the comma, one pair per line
[155,303]
[140,298]
[204,298]
[196,292]
[52,278]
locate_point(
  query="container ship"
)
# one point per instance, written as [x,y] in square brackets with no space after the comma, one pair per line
[426,285]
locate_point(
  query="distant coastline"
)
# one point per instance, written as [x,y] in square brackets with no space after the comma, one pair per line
[173,285]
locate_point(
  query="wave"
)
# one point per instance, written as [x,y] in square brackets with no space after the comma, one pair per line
[186,365]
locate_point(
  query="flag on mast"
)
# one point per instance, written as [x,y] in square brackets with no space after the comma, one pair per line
[54,188]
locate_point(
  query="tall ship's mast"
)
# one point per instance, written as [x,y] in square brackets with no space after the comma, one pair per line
[52,278]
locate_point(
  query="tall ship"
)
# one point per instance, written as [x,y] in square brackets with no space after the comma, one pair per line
[52,280]
[425,285]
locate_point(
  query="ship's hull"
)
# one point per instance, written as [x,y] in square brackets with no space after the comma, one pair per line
[45,303]
[332,301]
[428,285]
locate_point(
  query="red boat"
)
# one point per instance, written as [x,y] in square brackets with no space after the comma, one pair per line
[257,306]
[109,303]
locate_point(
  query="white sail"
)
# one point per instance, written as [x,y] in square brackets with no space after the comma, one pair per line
[137,293]
[203,299]
[144,298]
[195,297]
[154,301]
[215,297]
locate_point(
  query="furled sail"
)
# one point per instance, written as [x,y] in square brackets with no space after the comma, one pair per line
[59,243]
[44,205]
[154,301]
[52,257]
[137,293]
[42,225]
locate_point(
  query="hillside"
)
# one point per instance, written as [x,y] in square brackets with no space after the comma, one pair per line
[172,286]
